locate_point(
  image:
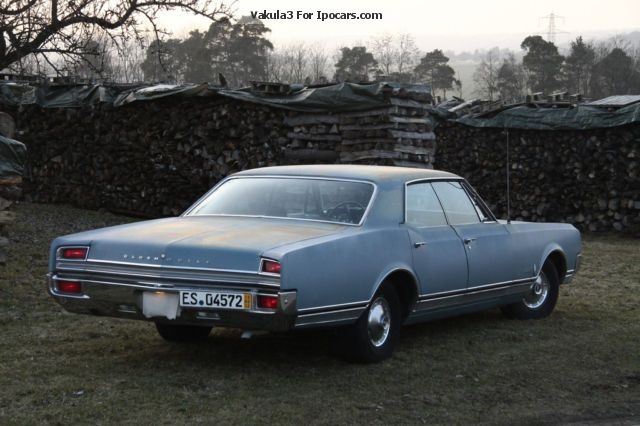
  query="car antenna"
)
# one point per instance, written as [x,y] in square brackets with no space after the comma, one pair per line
[508,185]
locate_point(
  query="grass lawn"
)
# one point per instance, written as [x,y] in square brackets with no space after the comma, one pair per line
[580,365]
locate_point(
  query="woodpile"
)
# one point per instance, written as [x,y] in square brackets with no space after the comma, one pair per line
[155,158]
[588,178]
[148,158]
[9,191]
[400,134]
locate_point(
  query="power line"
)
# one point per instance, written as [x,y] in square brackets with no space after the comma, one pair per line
[552,29]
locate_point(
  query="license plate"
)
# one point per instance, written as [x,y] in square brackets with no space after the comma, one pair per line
[215,299]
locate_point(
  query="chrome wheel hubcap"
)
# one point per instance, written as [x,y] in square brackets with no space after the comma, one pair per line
[379,322]
[539,292]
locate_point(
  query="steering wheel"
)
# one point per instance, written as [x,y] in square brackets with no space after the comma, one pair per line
[343,212]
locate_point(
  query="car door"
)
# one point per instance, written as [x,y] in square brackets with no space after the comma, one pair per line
[439,258]
[486,242]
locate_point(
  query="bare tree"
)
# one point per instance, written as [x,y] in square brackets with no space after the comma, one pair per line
[396,55]
[318,64]
[296,61]
[406,53]
[275,66]
[384,51]
[486,75]
[127,65]
[65,27]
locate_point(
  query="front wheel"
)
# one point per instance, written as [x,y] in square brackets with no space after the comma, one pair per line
[541,299]
[374,336]
[182,333]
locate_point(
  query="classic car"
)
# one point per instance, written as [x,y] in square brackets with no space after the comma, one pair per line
[364,249]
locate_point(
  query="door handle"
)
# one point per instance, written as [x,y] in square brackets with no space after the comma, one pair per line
[469,240]
[420,244]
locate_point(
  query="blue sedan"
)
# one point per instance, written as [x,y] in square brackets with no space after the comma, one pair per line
[364,249]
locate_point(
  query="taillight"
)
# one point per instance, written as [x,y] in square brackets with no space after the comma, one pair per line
[271,266]
[74,253]
[66,286]
[267,302]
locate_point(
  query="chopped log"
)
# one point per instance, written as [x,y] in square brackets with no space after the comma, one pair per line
[7,125]
[300,120]
[412,135]
[316,155]
[309,137]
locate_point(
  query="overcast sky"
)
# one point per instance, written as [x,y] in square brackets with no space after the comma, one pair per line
[458,25]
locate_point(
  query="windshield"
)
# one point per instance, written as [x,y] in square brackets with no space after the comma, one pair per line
[298,198]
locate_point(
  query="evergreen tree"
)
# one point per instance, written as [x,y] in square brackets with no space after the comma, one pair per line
[615,74]
[510,79]
[355,64]
[543,63]
[578,66]
[161,62]
[433,69]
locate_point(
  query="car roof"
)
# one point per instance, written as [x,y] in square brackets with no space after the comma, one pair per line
[351,171]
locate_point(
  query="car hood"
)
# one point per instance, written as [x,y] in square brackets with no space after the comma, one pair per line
[217,242]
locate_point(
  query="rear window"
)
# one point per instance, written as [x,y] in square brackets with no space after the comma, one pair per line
[296,198]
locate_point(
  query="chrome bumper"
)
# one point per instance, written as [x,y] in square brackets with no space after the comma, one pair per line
[124,300]
[571,273]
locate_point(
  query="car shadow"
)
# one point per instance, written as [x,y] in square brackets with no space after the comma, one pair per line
[308,347]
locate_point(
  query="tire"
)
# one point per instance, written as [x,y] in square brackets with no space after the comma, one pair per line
[374,336]
[541,300]
[182,333]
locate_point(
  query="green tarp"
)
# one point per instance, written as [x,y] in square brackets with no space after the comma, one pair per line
[13,155]
[578,118]
[334,98]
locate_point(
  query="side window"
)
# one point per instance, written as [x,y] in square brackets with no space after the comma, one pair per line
[459,208]
[481,208]
[423,207]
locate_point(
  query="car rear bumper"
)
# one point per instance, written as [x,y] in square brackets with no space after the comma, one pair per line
[124,300]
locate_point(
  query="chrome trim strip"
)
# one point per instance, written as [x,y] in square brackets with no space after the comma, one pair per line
[461,298]
[426,180]
[330,312]
[278,218]
[234,278]
[154,286]
[467,289]
[154,265]
[55,292]
[362,303]
[342,315]
[268,274]
[331,321]
[362,220]
[59,249]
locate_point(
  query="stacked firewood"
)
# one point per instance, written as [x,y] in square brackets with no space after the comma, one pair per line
[148,158]
[156,158]
[399,135]
[8,188]
[313,138]
[588,178]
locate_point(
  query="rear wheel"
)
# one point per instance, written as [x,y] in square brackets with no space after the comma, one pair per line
[374,336]
[182,333]
[541,299]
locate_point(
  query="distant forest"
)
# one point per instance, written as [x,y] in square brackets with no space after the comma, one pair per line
[235,52]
